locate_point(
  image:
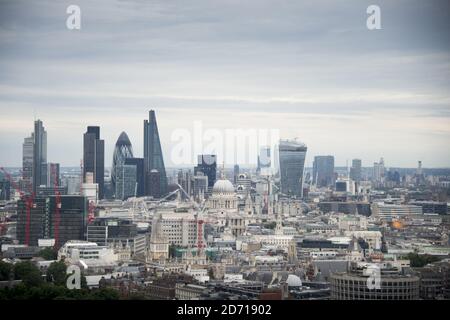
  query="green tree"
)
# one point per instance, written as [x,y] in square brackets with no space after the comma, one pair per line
[48,254]
[420,260]
[270,225]
[5,270]
[105,294]
[56,273]
[28,273]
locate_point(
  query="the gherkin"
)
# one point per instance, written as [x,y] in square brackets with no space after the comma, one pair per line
[122,151]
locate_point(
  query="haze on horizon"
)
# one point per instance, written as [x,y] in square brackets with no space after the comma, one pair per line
[308,68]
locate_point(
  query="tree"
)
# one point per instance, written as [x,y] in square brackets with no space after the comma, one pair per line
[56,273]
[5,270]
[270,225]
[48,254]
[28,273]
[420,260]
[173,250]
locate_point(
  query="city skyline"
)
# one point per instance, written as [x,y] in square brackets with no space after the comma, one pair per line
[223,65]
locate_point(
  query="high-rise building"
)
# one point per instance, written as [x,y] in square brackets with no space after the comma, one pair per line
[378,171]
[53,179]
[153,157]
[126,185]
[39,155]
[5,188]
[43,223]
[139,164]
[323,171]
[200,186]
[27,162]
[292,162]
[122,151]
[94,157]
[207,164]
[154,183]
[235,173]
[264,161]
[185,180]
[356,170]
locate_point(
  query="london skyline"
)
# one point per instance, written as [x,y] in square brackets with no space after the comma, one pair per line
[381,93]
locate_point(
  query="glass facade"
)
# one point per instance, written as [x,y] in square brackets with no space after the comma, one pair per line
[292,162]
[125,181]
[323,171]
[153,157]
[39,155]
[207,164]
[94,157]
[122,151]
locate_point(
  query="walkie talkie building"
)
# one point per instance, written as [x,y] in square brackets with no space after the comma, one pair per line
[292,162]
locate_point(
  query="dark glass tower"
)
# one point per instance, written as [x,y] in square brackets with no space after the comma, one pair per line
[139,163]
[39,155]
[207,164]
[94,157]
[292,162]
[153,157]
[323,171]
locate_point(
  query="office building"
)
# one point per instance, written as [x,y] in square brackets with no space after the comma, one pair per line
[432,207]
[353,285]
[153,184]
[264,161]
[207,164]
[61,218]
[94,157]
[140,178]
[27,162]
[292,156]
[126,184]
[186,181]
[53,175]
[200,186]
[39,155]
[379,171]
[153,158]
[356,170]
[122,150]
[323,171]
[235,173]
[5,188]
[118,233]
[395,211]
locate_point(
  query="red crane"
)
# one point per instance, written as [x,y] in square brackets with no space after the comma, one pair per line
[200,244]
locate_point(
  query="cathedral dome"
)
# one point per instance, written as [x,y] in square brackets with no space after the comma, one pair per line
[294,281]
[223,186]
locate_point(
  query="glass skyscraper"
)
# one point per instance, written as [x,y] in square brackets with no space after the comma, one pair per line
[39,155]
[153,157]
[356,170]
[94,157]
[123,150]
[27,162]
[125,186]
[292,162]
[207,164]
[323,171]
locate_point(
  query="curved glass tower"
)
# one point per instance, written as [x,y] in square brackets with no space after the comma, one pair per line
[292,162]
[123,150]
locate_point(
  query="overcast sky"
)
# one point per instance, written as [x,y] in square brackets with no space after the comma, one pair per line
[311,69]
